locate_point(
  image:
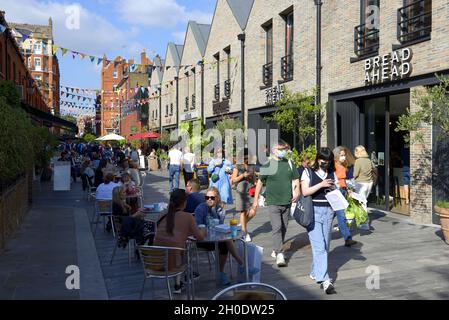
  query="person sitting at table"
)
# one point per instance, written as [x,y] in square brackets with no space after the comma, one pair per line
[99,172]
[87,174]
[212,208]
[174,228]
[104,190]
[131,192]
[133,224]
[194,196]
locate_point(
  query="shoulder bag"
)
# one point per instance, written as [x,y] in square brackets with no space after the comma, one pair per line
[302,211]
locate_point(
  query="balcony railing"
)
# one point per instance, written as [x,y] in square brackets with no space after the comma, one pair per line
[267,73]
[287,67]
[186,107]
[217,92]
[366,41]
[193,102]
[415,21]
[227,89]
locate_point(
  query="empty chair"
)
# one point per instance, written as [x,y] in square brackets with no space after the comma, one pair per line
[117,225]
[155,261]
[250,291]
[103,208]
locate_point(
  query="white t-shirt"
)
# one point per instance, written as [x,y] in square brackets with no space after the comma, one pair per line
[175,157]
[321,174]
[189,161]
[104,191]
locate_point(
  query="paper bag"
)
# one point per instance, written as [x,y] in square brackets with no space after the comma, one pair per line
[255,254]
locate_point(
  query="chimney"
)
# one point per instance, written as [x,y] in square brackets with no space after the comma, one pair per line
[50,24]
[143,58]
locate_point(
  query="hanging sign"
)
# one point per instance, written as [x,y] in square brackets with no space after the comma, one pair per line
[389,67]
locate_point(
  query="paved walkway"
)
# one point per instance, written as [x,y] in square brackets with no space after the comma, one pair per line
[412,260]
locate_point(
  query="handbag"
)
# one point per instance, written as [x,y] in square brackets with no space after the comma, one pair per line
[215,177]
[252,191]
[302,211]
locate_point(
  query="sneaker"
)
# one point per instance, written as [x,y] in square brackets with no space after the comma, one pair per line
[312,277]
[328,287]
[251,271]
[350,242]
[273,254]
[224,279]
[178,288]
[336,228]
[280,260]
[247,238]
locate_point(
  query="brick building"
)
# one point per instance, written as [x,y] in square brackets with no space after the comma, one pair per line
[368,59]
[155,110]
[13,68]
[35,42]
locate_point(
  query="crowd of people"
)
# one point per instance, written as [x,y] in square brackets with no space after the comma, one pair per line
[330,170]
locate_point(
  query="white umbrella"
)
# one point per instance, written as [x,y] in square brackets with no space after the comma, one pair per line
[110,137]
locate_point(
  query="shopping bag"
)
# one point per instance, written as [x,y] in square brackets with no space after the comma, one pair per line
[356,211]
[255,254]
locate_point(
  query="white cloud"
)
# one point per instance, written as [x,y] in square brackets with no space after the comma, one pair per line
[95,34]
[159,13]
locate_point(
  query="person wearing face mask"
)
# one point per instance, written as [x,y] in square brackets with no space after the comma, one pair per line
[316,183]
[221,170]
[341,170]
[280,176]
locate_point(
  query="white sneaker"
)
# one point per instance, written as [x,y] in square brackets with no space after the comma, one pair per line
[248,238]
[328,287]
[336,228]
[312,277]
[280,260]
[273,254]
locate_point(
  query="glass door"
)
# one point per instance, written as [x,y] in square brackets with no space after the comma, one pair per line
[374,117]
[399,177]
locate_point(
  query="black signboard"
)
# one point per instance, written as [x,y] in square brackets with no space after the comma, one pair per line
[202,176]
[221,107]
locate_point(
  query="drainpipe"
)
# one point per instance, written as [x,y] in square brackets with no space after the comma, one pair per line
[318,4]
[242,37]
[177,102]
[202,94]
[160,108]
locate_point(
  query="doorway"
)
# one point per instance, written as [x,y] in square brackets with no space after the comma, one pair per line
[387,150]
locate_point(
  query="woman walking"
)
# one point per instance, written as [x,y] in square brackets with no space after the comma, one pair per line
[341,165]
[220,170]
[316,183]
[244,177]
[364,174]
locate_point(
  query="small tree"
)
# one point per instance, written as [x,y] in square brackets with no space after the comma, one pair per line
[88,137]
[433,110]
[296,113]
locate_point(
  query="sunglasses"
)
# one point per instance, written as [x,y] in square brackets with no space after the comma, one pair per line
[209,198]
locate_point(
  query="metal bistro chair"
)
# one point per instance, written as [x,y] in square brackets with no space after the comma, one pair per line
[91,191]
[103,208]
[253,291]
[155,265]
[117,225]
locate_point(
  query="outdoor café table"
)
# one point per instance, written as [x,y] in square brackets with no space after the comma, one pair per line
[217,237]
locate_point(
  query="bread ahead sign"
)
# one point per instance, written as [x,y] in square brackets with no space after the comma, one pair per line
[389,67]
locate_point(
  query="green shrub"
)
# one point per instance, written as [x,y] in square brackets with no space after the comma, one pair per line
[443,204]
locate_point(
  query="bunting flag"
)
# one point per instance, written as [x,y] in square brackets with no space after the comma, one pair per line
[92,58]
[63,51]
[2,28]
[99,61]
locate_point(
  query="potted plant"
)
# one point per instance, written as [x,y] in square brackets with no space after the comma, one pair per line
[442,209]
[433,110]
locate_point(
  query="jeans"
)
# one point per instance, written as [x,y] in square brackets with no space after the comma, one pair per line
[279,222]
[344,230]
[174,171]
[187,177]
[320,238]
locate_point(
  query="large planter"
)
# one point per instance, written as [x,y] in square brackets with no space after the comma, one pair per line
[443,213]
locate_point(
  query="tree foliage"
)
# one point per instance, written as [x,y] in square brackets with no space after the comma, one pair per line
[433,110]
[88,137]
[297,111]
[69,118]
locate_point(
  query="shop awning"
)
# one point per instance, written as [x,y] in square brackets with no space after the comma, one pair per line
[50,120]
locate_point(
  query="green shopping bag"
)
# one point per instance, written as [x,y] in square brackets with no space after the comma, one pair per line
[355,211]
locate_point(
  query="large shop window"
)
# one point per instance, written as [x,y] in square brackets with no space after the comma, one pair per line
[366,35]
[415,21]
[267,69]
[287,60]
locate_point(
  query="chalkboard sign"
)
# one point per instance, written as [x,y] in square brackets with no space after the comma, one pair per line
[202,176]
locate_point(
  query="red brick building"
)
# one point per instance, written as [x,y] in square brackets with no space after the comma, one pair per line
[36,42]
[13,68]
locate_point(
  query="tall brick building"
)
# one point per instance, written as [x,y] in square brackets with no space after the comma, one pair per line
[36,43]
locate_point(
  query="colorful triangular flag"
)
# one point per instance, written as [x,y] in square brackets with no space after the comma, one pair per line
[63,51]
[92,58]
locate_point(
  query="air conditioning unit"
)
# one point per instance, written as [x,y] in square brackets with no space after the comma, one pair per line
[21,91]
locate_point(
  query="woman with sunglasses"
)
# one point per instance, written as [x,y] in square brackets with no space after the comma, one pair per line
[316,183]
[212,208]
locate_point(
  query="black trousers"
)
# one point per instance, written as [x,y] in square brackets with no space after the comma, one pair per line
[187,176]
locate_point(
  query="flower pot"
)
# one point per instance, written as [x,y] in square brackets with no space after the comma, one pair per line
[443,213]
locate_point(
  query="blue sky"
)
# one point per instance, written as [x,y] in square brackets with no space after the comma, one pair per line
[112,27]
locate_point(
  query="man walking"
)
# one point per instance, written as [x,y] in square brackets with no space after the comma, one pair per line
[188,160]
[279,175]
[174,168]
